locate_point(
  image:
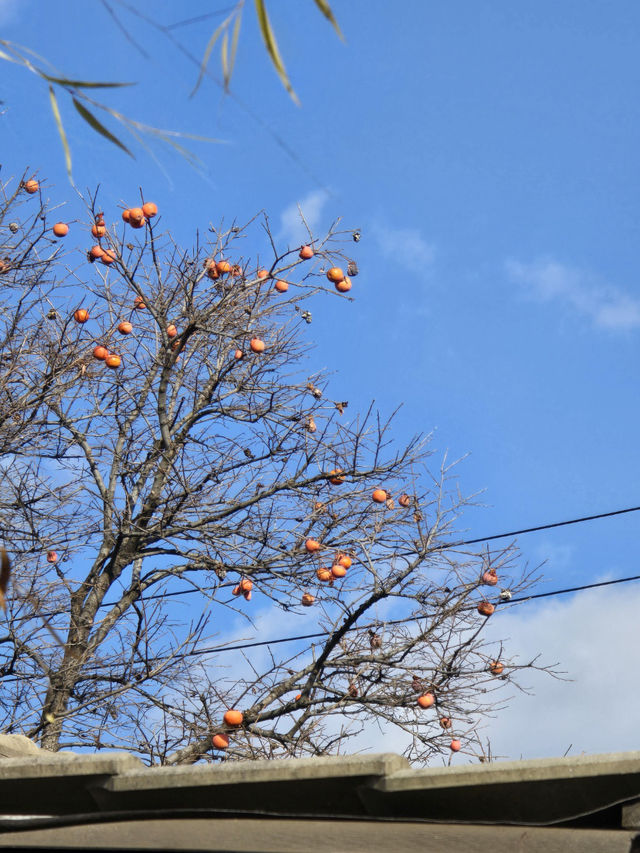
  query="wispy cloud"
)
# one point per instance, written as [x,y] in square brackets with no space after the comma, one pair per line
[292,228]
[406,246]
[593,637]
[606,306]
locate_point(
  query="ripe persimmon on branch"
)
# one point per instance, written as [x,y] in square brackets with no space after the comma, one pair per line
[174,479]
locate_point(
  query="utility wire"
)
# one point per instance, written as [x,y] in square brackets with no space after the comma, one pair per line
[444,547]
[319,634]
[541,527]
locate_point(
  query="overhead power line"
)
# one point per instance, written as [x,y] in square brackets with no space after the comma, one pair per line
[541,527]
[445,546]
[318,634]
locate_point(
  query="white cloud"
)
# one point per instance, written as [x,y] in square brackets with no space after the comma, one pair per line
[593,637]
[406,246]
[292,228]
[547,280]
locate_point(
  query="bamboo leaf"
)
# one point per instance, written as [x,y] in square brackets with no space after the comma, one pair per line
[80,84]
[326,11]
[98,126]
[63,136]
[272,48]
[234,44]
[224,59]
[207,53]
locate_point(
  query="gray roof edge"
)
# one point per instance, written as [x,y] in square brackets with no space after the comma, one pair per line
[65,764]
[500,772]
[255,772]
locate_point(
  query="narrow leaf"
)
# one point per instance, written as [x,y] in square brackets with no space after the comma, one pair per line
[63,136]
[81,84]
[207,53]
[234,43]
[98,126]
[272,48]
[224,59]
[326,11]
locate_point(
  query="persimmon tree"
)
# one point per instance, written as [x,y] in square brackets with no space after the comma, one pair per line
[158,511]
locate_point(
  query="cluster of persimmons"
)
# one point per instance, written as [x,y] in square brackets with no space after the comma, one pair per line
[137,217]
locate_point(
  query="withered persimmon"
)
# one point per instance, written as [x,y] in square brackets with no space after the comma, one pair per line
[336,477]
[307,599]
[404,501]
[139,303]
[496,668]
[211,268]
[490,577]
[324,574]
[31,186]
[485,608]
[52,557]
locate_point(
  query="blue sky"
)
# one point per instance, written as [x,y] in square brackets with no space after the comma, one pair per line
[488,153]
